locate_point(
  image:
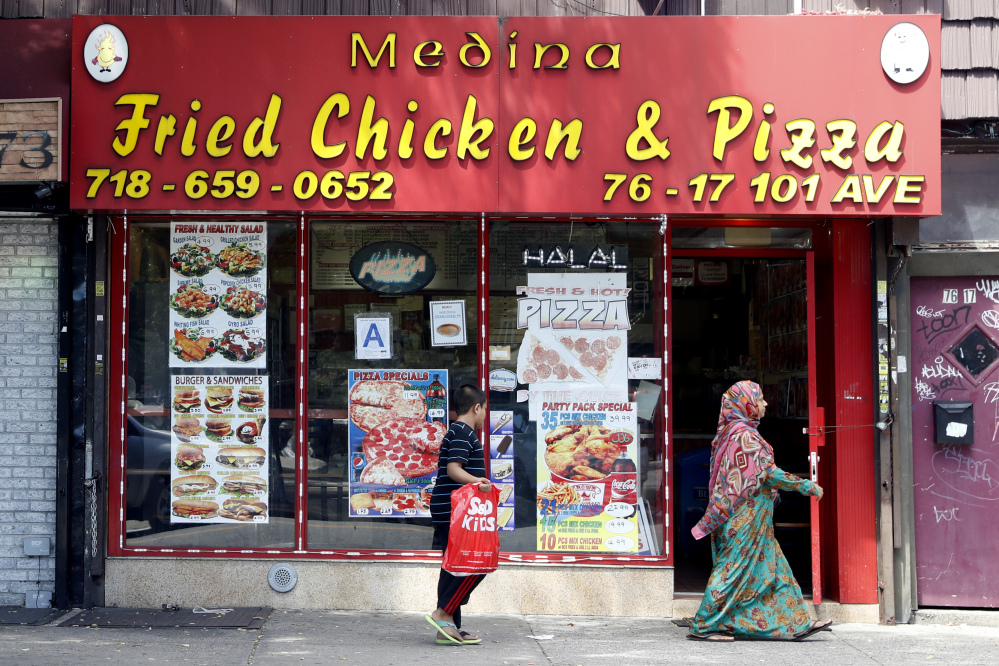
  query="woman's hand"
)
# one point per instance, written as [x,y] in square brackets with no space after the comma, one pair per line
[818,496]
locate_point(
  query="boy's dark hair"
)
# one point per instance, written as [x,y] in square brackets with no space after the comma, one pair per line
[465,397]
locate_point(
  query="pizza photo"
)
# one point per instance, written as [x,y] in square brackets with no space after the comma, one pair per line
[541,361]
[372,402]
[403,501]
[410,446]
[601,356]
[571,358]
[382,472]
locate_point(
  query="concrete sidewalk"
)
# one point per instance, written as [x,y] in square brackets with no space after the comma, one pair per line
[405,639]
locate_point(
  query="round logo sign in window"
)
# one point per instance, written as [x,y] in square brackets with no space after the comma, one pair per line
[105,53]
[392,267]
[905,52]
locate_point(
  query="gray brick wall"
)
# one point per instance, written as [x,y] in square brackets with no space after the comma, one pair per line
[28,359]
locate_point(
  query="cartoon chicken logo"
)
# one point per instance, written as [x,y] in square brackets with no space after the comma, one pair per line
[105,52]
[905,52]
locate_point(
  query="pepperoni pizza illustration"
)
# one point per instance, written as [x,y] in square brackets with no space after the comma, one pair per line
[410,446]
[372,402]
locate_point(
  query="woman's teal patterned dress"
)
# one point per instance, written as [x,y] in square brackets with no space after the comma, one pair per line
[751,592]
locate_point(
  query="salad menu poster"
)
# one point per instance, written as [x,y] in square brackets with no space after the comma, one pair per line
[397,421]
[219,461]
[218,294]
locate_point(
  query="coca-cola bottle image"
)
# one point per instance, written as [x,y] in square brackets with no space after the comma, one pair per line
[624,480]
[436,398]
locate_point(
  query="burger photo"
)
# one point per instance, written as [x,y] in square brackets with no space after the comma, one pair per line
[189,458]
[193,485]
[250,398]
[185,399]
[189,508]
[241,457]
[218,398]
[248,431]
[187,427]
[216,429]
[243,484]
[242,509]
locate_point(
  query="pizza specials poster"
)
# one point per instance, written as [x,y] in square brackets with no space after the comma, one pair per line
[219,445]
[573,359]
[397,420]
[218,297]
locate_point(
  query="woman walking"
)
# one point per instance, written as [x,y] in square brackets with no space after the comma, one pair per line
[751,592]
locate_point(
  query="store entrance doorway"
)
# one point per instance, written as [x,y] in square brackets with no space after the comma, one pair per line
[738,317]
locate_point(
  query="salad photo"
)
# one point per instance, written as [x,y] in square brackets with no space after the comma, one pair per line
[191,302]
[237,346]
[243,303]
[192,260]
[189,345]
[238,260]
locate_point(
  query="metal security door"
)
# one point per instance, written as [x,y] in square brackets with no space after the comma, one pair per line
[816,431]
[955,426]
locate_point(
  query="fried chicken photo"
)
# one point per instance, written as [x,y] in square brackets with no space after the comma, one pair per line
[580,453]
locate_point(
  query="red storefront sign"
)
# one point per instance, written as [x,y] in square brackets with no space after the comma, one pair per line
[751,116]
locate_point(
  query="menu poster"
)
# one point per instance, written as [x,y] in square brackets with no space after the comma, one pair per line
[447,324]
[397,420]
[587,476]
[501,467]
[577,333]
[218,449]
[218,294]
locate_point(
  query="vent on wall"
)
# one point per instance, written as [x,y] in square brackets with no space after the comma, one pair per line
[282,577]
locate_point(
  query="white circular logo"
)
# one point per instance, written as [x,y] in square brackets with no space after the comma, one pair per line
[105,53]
[905,52]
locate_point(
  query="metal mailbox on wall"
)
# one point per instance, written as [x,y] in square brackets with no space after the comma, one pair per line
[954,422]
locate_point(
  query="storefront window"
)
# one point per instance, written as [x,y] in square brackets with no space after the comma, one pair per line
[575,438]
[383,359]
[211,390]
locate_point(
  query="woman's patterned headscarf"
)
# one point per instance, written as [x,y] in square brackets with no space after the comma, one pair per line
[740,457]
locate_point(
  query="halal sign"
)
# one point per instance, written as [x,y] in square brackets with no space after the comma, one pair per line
[392,267]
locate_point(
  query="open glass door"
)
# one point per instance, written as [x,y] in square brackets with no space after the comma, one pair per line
[815,430]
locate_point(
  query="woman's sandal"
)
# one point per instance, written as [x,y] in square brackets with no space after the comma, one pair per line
[824,625]
[711,637]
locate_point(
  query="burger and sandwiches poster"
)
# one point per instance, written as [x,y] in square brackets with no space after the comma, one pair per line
[573,359]
[218,299]
[219,441]
[397,420]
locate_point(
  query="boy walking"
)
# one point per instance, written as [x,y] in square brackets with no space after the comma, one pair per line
[461,462]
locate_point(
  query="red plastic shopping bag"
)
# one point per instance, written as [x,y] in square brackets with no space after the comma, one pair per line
[473,542]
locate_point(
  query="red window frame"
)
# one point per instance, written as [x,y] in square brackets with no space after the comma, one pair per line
[117,404]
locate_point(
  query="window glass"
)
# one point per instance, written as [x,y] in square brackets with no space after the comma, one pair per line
[569,304]
[211,390]
[375,414]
